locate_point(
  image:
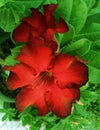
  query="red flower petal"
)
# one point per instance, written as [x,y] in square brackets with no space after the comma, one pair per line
[39,41]
[48,12]
[61,26]
[60,100]
[68,71]
[49,8]
[31,96]
[20,75]
[49,34]
[35,23]
[37,57]
[21,33]
[53,45]
[37,20]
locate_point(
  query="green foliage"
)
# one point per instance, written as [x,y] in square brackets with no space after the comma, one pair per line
[90,3]
[9,113]
[49,2]
[73,11]
[3,36]
[64,9]
[13,15]
[3,2]
[10,60]
[14,12]
[79,47]
[78,14]
[91,32]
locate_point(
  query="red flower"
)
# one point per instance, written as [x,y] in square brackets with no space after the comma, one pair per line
[48,82]
[40,25]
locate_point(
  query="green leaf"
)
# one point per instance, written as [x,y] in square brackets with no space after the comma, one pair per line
[81,110]
[92,18]
[34,128]
[4,117]
[95,10]
[94,75]
[9,113]
[29,3]
[68,36]
[15,51]
[59,126]
[18,11]
[50,2]
[3,2]
[96,46]
[64,9]
[92,32]
[88,97]
[14,11]
[10,60]
[93,58]
[90,3]
[80,47]
[9,18]
[78,14]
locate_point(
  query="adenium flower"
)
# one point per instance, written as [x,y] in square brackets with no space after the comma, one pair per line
[40,25]
[48,82]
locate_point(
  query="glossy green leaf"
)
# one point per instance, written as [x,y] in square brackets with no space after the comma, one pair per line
[94,75]
[93,59]
[80,47]
[78,14]
[95,11]
[10,60]
[96,46]
[3,2]
[92,32]
[93,17]
[49,2]
[64,9]
[29,3]
[14,12]
[90,3]
[81,110]
[12,18]
[88,97]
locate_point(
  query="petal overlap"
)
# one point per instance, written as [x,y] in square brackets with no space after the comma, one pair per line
[68,71]
[37,57]
[60,100]
[41,25]
[17,77]
[32,97]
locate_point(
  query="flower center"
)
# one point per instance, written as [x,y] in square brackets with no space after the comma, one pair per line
[46,77]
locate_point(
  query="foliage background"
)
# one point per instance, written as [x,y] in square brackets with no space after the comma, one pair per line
[83,39]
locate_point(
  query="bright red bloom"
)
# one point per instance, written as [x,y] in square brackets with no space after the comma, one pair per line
[48,82]
[40,25]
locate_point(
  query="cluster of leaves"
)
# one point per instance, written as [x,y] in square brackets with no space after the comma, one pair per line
[83,39]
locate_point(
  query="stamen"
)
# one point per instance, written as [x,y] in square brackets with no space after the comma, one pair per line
[45,77]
